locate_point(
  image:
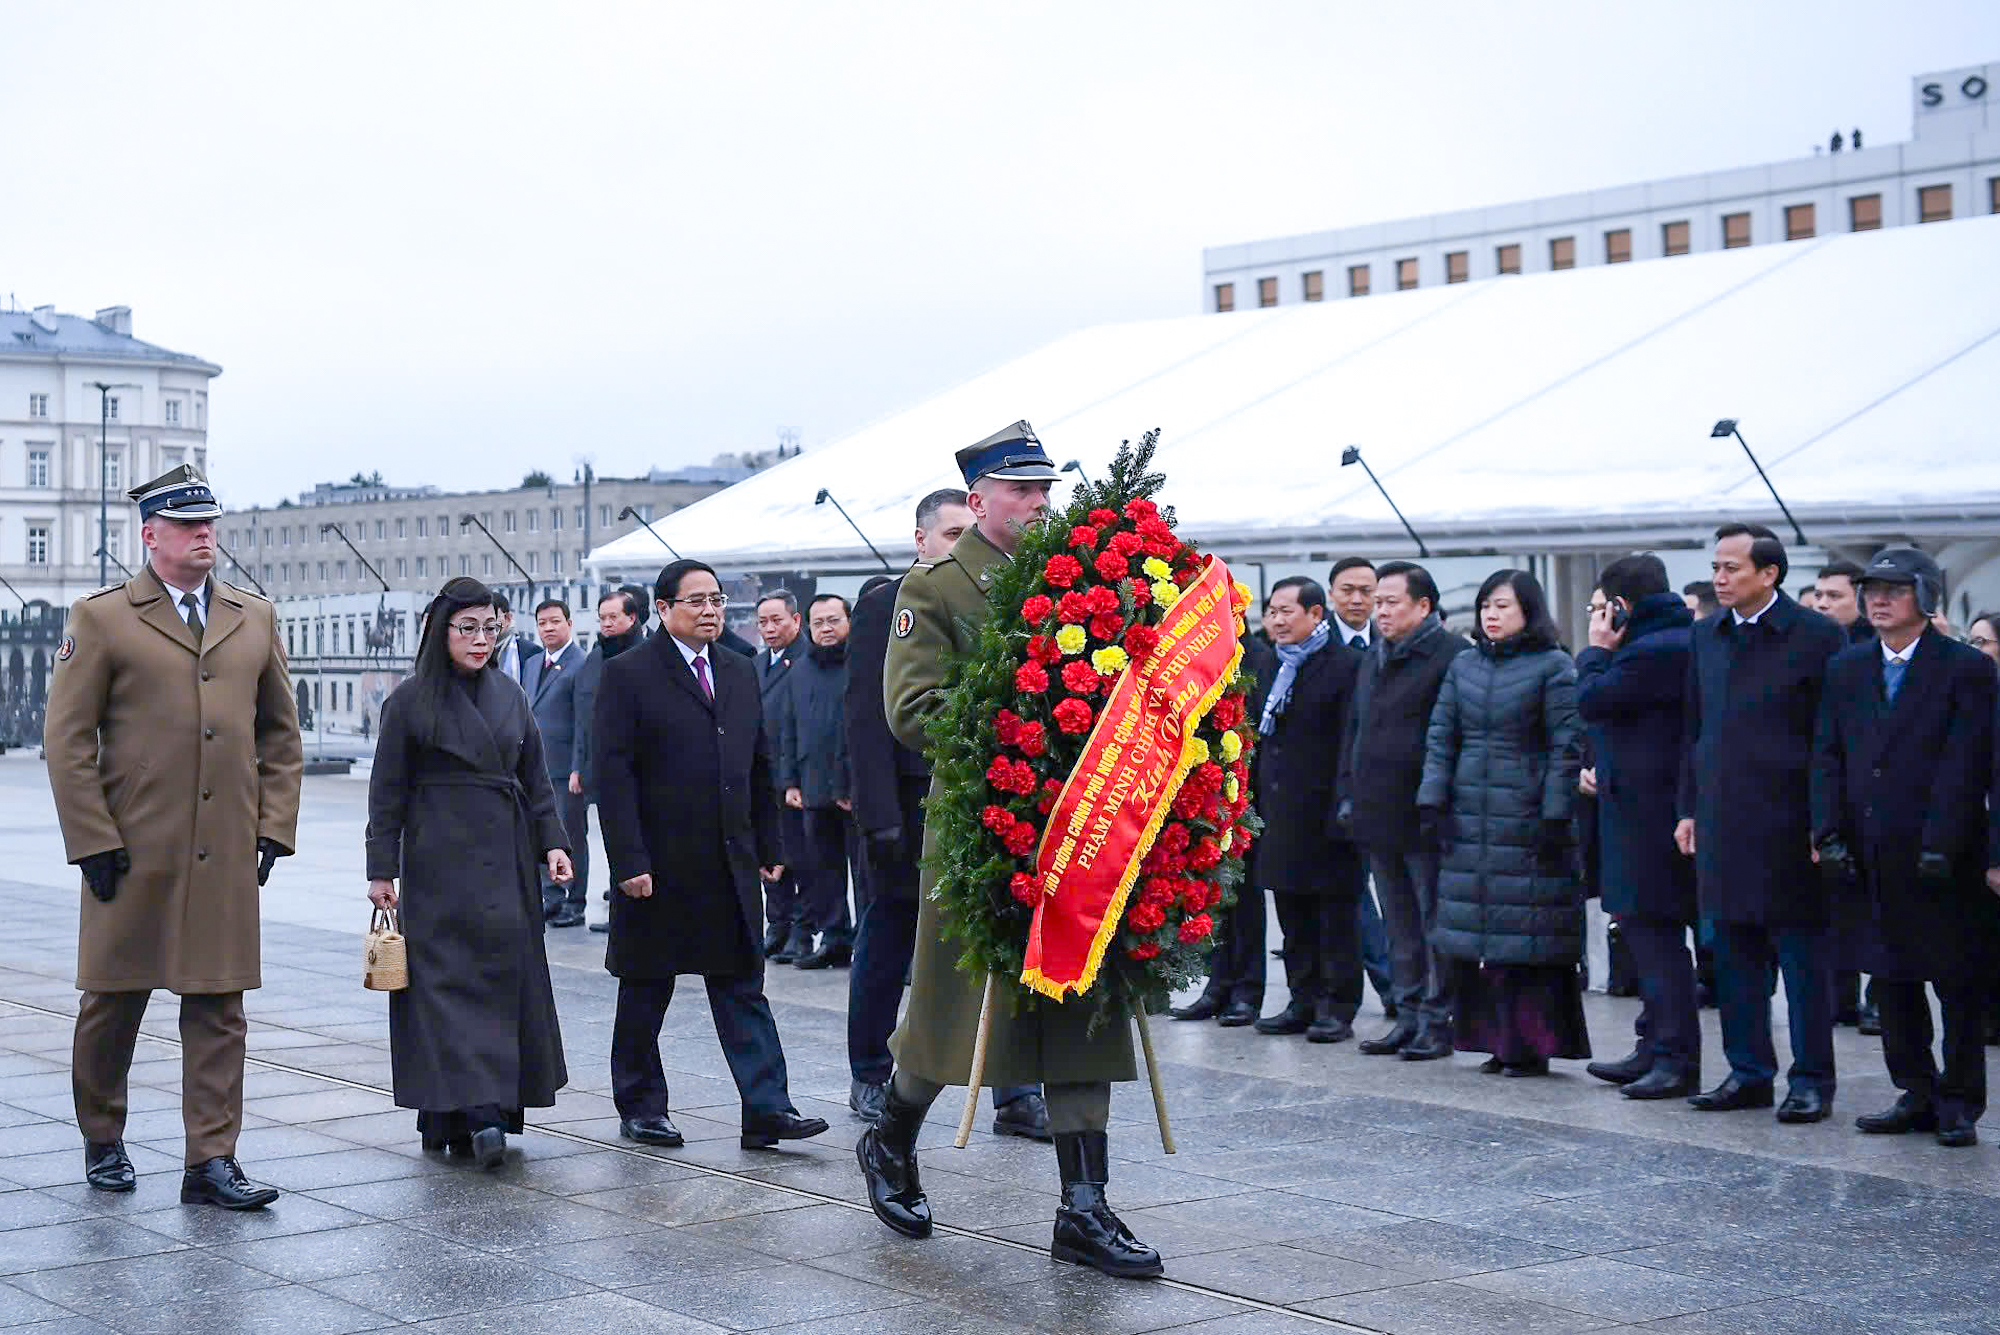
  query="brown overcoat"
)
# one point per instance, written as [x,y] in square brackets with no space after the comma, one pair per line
[184,756]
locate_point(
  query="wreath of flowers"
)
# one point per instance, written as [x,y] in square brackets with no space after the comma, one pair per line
[1081,599]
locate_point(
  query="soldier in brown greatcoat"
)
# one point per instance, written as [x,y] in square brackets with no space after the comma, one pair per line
[174,754]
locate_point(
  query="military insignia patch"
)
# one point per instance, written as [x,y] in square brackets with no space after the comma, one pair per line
[66,650]
[906,621]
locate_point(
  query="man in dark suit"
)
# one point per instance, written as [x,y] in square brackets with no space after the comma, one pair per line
[690,825]
[621,617]
[1755,676]
[1304,859]
[550,679]
[1901,768]
[787,937]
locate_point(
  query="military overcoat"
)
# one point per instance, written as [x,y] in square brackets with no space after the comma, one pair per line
[183,755]
[940,608]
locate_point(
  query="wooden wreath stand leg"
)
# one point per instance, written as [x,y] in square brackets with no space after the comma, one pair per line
[978,1074]
[1153,1078]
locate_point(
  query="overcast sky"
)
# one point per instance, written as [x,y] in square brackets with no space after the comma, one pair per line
[457,242]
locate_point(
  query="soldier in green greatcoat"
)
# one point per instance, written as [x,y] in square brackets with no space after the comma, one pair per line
[939,609]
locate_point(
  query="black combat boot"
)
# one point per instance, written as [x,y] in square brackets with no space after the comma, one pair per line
[888,1155]
[1087,1233]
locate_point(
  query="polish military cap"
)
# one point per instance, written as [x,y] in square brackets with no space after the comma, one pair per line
[1012,453]
[180,493]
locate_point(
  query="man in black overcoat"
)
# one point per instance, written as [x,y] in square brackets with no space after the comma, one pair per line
[1753,692]
[690,825]
[787,937]
[1901,769]
[1631,686]
[1304,859]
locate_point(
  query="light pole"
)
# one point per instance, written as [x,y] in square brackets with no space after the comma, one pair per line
[1727,427]
[1076,466]
[470,520]
[629,513]
[1352,455]
[103,470]
[825,496]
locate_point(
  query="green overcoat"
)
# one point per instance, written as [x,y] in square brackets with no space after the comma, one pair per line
[940,607]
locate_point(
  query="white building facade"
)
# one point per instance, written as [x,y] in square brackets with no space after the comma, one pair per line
[1950,168]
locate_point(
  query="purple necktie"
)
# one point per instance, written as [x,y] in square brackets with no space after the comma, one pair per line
[701,675]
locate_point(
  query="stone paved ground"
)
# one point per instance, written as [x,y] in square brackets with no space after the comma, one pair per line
[1314,1189]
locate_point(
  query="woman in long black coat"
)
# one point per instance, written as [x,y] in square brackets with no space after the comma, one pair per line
[461,811]
[1500,772]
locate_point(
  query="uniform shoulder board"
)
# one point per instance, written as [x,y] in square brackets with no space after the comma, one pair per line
[99,593]
[925,566]
[247,593]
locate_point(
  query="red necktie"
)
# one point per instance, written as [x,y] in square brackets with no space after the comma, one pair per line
[701,675]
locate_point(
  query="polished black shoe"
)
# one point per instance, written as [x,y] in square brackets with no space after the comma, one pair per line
[1237,1015]
[604,926]
[107,1168]
[659,1130]
[864,1099]
[1626,1069]
[1328,1027]
[763,1132]
[1391,1043]
[1532,1066]
[1026,1117]
[220,1181]
[1426,1048]
[1899,1118]
[833,953]
[439,1143]
[1732,1095]
[489,1147]
[1805,1105]
[1204,1007]
[1957,1134]
[570,915]
[887,1152]
[1662,1082]
[1087,1232]
[798,944]
[1869,1022]
[1293,1019]
[1492,1066]
[774,938]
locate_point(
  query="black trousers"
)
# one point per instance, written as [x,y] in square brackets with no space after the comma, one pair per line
[831,846]
[575,811]
[743,1025]
[1406,885]
[1236,969]
[1661,958]
[1958,1092]
[1743,985]
[1322,950]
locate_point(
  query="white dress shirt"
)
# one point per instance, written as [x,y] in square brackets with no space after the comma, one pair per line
[1756,616]
[176,594]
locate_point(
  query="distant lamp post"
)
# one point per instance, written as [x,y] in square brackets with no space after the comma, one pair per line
[1727,427]
[629,513]
[825,496]
[104,471]
[1352,455]
[470,520]
[1076,466]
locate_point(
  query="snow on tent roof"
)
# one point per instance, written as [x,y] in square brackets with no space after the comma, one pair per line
[1538,410]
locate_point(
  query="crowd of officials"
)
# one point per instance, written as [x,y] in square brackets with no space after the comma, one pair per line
[1758,787]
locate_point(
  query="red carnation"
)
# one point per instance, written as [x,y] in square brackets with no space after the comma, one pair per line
[1074,608]
[1073,716]
[1031,679]
[1143,918]
[1079,677]
[1107,626]
[1051,790]
[1140,641]
[1228,711]
[1020,840]
[997,819]
[1083,535]
[1205,856]
[1101,516]
[1145,950]
[1195,928]
[1006,726]
[1159,892]
[1036,609]
[1043,649]
[1126,543]
[1139,508]
[1166,548]
[1024,888]
[1140,589]
[1100,599]
[1062,570]
[1111,566]
[1031,737]
[1175,836]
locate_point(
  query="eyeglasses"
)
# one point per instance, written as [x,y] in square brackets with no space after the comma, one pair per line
[703,600]
[1981,641]
[472,630]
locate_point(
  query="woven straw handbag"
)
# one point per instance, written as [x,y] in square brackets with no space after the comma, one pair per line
[388,967]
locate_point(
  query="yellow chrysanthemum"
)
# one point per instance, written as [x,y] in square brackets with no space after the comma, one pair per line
[1199,749]
[1241,596]
[1232,748]
[1155,568]
[1071,639]
[1229,787]
[1110,661]
[1164,592]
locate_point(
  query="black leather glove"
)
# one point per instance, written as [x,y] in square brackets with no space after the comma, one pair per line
[1836,863]
[268,853]
[1933,866]
[1430,826]
[102,870]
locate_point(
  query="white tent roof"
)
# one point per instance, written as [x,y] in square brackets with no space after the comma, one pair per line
[1539,412]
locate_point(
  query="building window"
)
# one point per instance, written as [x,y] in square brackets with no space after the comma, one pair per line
[421,570]
[381,530]
[1507,258]
[555,518]
[507,521]
[1864,213]
[1562,252]
[1406,274]
[1993,194]
[1312,286]
[1357,280]
[401,532]
[173,409]
[486,563]
[114,469]
[1735,231]
[111,407]
[580,516]
[1674,238]
[465,565]
[1225,297]
[1618,246]
[534,521]
[1934,203]
[402,568]
[38,405]
[555,563]
[444,526]
[322,572]
[423,527]
[38,545]
[604,516]
[267,565]
[38,467]
[285,535]
[534,563]
[1798,222]
[1457,268]
[1267,291]
[340,569]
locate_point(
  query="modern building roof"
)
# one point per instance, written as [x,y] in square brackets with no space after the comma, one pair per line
[1532,413]
[43,333]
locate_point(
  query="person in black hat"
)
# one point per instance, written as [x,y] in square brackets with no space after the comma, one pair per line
[1901,768]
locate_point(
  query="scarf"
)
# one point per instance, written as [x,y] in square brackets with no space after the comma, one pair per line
[1290,658]
[828,655]
[614,645]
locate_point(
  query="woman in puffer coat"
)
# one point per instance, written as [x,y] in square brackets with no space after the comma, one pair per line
[1500,774]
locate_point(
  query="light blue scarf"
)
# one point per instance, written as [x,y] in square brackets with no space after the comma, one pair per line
[1290,658]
